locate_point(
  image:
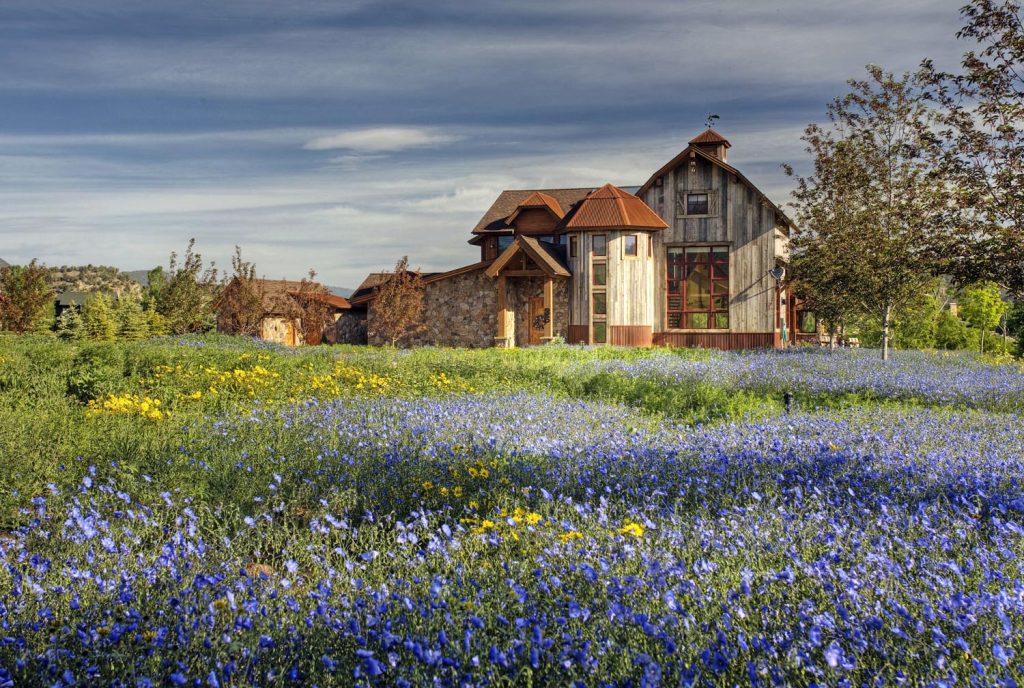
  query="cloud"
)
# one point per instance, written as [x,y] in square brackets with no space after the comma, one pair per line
[380,139]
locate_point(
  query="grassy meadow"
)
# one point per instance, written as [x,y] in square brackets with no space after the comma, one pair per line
[215,511]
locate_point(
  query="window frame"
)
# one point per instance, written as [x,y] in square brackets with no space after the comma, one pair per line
[574,246]
[604,245]
[685,316]
[683,202]
[626,255]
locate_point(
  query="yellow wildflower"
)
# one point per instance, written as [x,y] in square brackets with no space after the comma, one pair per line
[631,528]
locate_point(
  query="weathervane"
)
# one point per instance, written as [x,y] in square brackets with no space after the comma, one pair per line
[710,120]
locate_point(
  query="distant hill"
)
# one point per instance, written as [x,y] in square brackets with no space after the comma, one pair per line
[93,278]
[140,276]
[341,291]
[4,263]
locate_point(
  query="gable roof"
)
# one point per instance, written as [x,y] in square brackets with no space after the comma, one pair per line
[695,150]
[611,208]
[367,291]
[496,217]
[536,251]
[709,136]
[277,295]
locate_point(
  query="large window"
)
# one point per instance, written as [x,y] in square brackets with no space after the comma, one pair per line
[698,287]
[504,242]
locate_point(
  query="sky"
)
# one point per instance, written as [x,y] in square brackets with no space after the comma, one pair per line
[341,135]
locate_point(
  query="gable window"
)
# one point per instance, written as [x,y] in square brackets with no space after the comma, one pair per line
[600,244]
[697,204]
[629,246]
[698,287]
[573,246]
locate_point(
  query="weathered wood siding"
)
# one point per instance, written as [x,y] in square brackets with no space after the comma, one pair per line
[737,217]
[630,281]
[579,292]
[535,221]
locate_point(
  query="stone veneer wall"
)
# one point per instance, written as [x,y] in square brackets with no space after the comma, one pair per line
[458,311]
[521,289]
[350,328]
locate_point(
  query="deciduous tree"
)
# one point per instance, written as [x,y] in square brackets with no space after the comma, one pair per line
[240,306]
[187,296]
[982,306]
[873,199]
[982,127]
[26,299]
[397,307]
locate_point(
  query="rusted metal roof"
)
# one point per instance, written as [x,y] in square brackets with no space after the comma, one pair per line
[496,217]
[710,136]
[611,208]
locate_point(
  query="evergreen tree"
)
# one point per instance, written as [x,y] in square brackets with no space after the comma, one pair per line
[132,323]
[156,324]
[70,326]
[98,318]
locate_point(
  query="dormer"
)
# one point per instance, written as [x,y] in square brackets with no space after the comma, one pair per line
[712,143]
[537,214]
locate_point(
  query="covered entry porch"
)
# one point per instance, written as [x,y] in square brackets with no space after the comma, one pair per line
[532,290]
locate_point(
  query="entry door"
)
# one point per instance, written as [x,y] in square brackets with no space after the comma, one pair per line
[536,322]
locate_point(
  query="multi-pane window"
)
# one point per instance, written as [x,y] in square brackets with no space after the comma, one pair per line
[600,244]
[698,287]
[697,204]
[629,245]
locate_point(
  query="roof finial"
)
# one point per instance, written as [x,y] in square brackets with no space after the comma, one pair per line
[710,120]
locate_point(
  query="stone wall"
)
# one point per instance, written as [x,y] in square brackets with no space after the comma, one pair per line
[458,311]
[350,328]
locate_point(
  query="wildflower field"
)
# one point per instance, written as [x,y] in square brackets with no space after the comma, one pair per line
[217,512]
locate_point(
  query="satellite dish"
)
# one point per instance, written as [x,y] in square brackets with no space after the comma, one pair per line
[777,272]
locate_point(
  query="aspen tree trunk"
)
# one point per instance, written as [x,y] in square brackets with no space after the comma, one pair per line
[886,309]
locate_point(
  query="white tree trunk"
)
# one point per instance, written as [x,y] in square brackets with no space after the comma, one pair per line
[886,310]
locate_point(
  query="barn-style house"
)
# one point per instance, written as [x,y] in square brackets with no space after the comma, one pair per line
[693,257]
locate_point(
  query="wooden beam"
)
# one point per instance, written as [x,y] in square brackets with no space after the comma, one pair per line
[523,273]
[549,306]
[502,307]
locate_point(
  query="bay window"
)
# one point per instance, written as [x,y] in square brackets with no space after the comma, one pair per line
[698,287]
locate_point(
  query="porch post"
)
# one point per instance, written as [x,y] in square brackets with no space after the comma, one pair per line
[549,307]
[502,340]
